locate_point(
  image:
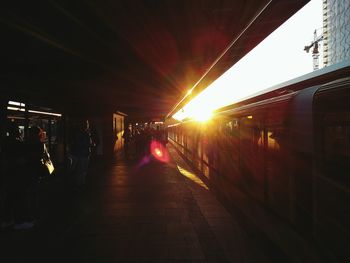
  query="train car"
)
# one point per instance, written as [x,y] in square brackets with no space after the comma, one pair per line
[287,150]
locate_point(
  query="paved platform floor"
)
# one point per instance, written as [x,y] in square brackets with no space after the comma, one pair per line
[154,212]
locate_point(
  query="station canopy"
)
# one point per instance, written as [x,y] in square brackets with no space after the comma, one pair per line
[139,57]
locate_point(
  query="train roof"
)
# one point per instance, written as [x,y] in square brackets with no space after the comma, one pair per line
[318,77]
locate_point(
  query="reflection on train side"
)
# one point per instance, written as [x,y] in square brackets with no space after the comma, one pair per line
[290,152]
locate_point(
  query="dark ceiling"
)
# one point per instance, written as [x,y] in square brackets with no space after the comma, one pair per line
[139,57]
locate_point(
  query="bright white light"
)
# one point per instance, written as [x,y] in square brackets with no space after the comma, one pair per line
[34,111]
[280,57]
[15,103]
[15,108]
[45,113]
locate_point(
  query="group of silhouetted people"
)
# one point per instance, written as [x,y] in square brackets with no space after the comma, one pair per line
[21,168]
[23,164]
[137,141]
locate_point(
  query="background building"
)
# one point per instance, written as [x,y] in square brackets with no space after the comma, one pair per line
[336,31]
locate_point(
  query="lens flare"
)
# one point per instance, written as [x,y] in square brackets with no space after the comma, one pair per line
[159,151]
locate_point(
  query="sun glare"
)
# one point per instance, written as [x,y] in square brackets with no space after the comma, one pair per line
[280,57]
[203,116]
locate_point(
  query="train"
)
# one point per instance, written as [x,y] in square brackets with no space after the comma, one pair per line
[286,150]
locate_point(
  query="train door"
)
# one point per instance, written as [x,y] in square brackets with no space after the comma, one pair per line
[212,149]
[332,180]
[277,183]
[302,145]
[198,148]
[230,150]
[205,150]
[252,155]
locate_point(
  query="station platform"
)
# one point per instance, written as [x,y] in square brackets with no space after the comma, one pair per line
[137,212]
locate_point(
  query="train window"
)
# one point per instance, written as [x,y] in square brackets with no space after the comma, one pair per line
[273,140]
[235,124]
[336,143]
[225,143]
[229,128]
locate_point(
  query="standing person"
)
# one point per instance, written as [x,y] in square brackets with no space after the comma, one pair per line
[141,143]
[137,139]
[34,153]
[127,136]
[80,149]
[13,160]
[95,140]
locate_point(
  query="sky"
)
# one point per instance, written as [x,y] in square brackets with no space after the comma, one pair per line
[278,58]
